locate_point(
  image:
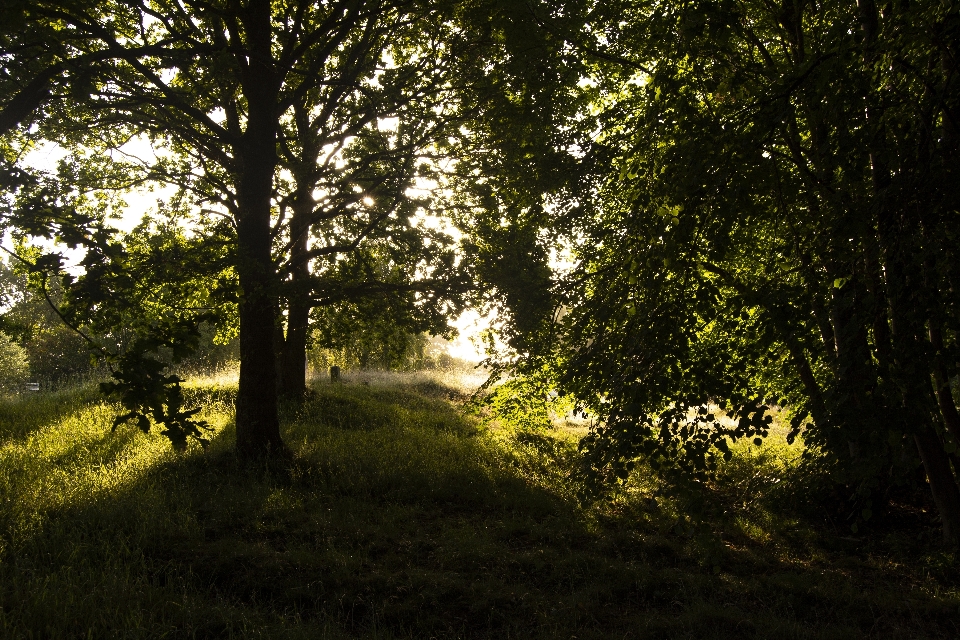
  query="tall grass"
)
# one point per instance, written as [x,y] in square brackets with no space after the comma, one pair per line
[403,516]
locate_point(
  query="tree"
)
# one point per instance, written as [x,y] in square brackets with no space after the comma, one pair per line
[778,224]
[15,365]
[356,149]
[221,84]
[252,73]
[43,60]
[368,336]
[54,352]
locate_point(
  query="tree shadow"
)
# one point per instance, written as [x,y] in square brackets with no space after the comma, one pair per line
[400,518]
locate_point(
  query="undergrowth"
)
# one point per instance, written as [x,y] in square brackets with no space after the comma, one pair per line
[405,516]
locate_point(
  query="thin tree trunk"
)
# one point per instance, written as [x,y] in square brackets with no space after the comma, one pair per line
[820,314]
[942,484]
[854,376]
[293,359]
[293,363]
[897,228]
[910,370]
[878,298]
[818,407]
[948,409]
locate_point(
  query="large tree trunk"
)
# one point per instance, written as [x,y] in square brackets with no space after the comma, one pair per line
[258,427]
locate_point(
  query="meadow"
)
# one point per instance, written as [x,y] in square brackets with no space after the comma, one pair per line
[407,514]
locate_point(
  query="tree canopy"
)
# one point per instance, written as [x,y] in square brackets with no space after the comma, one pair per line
[777,225]
[298,134]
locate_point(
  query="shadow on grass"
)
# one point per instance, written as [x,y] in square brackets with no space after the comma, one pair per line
[401,519]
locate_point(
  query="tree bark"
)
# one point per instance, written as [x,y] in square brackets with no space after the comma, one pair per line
[29,99]
[878,299]
[293,362]
[258,426]
[948,409]
[293,359]
[854,377]
[898,231]
[946,495]
[818,407]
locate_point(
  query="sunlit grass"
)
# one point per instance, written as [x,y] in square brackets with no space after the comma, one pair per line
[405,516]
[71,531]
[461,381]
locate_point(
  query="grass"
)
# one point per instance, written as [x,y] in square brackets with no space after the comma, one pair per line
[405,517]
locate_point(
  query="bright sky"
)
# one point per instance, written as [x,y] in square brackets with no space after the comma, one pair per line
[467,345]
[139,202]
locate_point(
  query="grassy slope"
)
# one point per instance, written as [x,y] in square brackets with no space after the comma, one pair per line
[404,518]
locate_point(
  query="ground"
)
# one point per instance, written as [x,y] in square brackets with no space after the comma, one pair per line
[407,515]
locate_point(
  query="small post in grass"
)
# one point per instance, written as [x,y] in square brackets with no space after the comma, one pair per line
[334,374]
